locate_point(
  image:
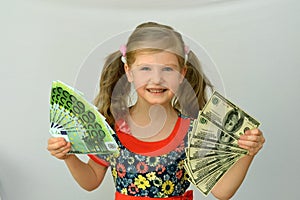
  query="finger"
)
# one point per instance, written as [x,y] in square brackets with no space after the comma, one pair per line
[252,147]
[254,131]
[61,152]
[61,155]
[252,141]
[248,143]
[253,134]
[253,138]
[63,148]
[55,140]
[57,145]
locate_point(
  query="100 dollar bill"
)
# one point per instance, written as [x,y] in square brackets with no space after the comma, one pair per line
[197,153]
[207,184]
[213,141]
[196,164]
[227,116]
[201,173]
[216,146]
[206,130]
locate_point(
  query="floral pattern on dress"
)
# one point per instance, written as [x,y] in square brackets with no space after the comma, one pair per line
[149,176]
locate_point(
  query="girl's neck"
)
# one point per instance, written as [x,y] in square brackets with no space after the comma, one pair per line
[144,112]
[152,122]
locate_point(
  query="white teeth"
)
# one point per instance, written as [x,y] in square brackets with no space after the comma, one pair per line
[156,90]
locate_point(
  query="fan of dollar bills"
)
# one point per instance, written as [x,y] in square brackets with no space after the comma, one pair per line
[79,122]
[213,141]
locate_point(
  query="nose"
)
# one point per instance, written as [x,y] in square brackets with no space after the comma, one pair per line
[156,76]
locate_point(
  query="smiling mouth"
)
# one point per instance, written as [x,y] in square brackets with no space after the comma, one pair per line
[156,90]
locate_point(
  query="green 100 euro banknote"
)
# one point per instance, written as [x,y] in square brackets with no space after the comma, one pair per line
[79,122]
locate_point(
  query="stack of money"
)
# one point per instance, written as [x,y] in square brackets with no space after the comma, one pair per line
[213,141]
[79,122]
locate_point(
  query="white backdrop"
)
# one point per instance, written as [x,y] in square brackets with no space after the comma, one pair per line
[255,45]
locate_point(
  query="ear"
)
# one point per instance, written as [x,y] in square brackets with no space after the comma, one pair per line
[128,73]
[183,72]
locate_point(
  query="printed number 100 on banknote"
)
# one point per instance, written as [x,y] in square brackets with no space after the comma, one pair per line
[228,116]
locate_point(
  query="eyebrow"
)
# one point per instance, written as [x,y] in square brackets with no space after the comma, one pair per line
[147,64]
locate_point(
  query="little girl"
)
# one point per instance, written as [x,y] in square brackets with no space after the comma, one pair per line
[152,131]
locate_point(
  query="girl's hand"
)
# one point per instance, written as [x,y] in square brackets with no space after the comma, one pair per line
[58,147]
[253,140]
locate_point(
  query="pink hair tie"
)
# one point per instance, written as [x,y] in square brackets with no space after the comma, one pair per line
[186,54]
[123,52]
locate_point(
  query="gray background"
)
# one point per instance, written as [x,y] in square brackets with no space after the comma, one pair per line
[255,45]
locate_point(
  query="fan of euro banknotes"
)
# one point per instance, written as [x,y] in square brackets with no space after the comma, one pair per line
[79,122]
[213,146]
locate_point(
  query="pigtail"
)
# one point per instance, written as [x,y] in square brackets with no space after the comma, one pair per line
[111,99]
[192,91]
[203,82]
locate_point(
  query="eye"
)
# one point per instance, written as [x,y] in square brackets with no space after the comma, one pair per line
[167,68]
[145,68]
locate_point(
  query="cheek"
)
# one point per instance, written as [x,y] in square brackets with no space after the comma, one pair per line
[173,83]
[174,87]
[139,82]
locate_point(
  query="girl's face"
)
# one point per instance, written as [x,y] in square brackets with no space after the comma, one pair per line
[156,77]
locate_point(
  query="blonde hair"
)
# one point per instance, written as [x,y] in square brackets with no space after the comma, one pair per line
[150,37]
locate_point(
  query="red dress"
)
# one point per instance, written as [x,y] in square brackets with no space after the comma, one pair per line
[144,170]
